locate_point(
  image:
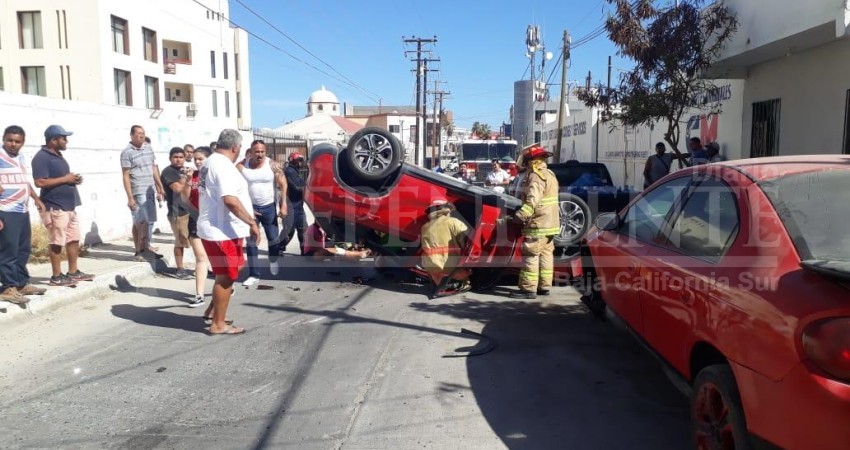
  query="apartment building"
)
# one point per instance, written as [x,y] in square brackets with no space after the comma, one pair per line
[180,60]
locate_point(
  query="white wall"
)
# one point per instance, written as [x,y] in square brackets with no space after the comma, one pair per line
[100,133]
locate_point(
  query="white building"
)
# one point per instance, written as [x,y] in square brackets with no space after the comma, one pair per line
[96,67]
[794,58]
[322,123]
[177,60]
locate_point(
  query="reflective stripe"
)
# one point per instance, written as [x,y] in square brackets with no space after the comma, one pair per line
[546,201]
[447,250]
[544,272]
[530,276]
[537,232]
[527,209]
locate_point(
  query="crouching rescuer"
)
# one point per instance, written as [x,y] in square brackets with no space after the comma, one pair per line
[443,238]
[541,222]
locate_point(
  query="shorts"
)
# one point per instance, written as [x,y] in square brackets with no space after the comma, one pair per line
[145,211]
[62,226]
[180,228]
[192,227]
[226,257]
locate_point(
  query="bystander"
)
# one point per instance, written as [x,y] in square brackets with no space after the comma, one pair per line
[173,178]
[143,188]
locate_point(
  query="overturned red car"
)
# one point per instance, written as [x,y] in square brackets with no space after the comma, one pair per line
[363,193]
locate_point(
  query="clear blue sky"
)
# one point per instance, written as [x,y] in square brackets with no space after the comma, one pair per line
[481,45]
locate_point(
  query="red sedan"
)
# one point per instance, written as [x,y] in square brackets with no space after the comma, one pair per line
[737,275]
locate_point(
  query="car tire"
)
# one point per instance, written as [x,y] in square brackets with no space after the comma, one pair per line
[373,154]
[717,417]
[575,219]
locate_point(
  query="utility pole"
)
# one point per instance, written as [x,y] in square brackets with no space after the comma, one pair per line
[564,97]
[436,149]
[421,70]
[425,104]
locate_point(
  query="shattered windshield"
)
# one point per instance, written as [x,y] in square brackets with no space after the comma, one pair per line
[815,209]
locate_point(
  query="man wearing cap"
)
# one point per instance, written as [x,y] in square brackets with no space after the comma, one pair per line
[541,222]
[442,239]
[15,230]
[296,220]
[143,188]
[59,194]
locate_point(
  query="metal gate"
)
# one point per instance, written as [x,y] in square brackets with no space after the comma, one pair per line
[279,146]
[765,137]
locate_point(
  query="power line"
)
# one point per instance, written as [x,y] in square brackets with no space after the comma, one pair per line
[263,40]
[305,49]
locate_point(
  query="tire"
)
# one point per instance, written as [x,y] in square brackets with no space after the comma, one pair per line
[373,154]
[717,417]
[575,219]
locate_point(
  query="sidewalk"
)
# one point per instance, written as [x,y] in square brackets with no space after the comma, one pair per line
[112,264]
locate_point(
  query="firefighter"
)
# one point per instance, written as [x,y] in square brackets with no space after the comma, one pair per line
[443,238]
[541,222]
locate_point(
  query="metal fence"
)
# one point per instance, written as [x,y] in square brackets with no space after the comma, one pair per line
[279,145]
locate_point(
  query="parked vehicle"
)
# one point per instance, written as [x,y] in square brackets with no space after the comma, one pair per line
[586,191]
[478,155]
[362,193]
[452,165]
[737,275]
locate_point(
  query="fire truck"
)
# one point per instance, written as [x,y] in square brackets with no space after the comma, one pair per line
[478,154]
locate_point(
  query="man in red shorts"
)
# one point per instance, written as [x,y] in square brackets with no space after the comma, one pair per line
[224,221]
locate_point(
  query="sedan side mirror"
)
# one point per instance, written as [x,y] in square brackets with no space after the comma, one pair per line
[608,221]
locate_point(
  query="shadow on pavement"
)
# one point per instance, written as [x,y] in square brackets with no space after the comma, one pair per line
[561,379]
[158,317]
[124,286]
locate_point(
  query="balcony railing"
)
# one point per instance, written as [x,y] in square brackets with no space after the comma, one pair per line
[170,68]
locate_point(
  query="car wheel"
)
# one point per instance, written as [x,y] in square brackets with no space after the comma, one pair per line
[574,218]
[717,416]
[373,153]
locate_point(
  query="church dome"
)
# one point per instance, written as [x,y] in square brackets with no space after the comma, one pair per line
[323,96]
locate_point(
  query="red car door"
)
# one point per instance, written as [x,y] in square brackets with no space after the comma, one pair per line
[618,255]
[679,276]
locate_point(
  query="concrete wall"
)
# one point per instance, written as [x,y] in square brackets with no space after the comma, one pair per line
[100,133]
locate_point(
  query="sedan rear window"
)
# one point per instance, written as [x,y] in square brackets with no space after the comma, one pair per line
[815,209]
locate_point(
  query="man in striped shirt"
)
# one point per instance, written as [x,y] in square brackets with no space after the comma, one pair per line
[15,230]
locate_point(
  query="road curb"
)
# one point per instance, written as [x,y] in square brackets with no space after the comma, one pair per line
[102,286]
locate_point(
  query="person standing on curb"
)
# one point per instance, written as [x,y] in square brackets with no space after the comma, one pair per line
[189,196]
[262,175]
[296,220]
[541,222]
[225,220]
[173,178]
[58,185]
[15,228]
[143,188]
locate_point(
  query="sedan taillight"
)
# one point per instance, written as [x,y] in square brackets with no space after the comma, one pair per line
[827,344]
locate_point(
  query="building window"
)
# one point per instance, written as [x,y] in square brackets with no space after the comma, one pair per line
[238,105]
[32,81]
[123,88]
[151,93]
[2,80]
[226,103]
[236,65]
[120,42]
[29,29]
[149,39]
[765,134]
[212,63]
[224,65]
[395,128]
[215,103]
[846,148]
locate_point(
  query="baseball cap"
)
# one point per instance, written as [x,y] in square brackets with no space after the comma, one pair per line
[55,131]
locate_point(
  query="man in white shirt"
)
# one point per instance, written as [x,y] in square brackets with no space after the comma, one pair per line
[224,220]
[498,178]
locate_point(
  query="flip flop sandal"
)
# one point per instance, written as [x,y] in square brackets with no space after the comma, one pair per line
[230,331]
[226,321]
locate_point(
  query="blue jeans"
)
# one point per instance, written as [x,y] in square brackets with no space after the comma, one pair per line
[15,247]
[267,218]
[295,222]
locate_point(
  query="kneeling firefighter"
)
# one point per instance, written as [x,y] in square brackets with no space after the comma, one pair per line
[541,222]
[443,238]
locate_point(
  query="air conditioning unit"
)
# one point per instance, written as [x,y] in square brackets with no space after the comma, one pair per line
[192,107]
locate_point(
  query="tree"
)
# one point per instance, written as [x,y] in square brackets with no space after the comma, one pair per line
[481,130]
[671,49]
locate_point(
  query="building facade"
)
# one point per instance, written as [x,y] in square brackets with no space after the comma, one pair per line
[177,60]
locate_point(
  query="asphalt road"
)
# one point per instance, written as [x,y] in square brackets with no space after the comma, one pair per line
[330,364]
